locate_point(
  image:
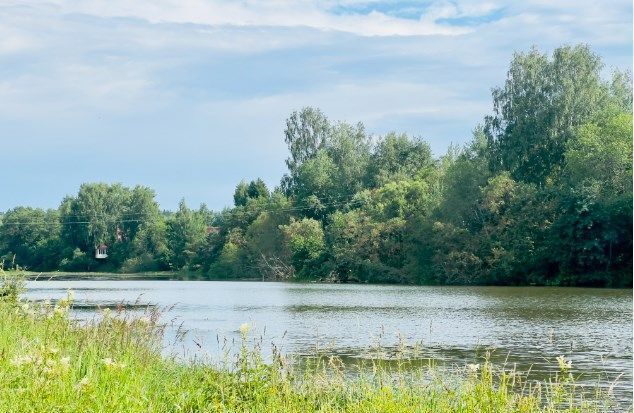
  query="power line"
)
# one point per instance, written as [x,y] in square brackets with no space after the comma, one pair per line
[296,208]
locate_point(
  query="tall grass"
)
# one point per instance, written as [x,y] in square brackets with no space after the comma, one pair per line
[50,363]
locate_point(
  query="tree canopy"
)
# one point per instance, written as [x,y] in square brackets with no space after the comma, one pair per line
[542,194]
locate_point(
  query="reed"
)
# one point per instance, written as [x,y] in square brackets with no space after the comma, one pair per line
[52,363]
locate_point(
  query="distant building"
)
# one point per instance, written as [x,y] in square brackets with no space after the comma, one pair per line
[101,251]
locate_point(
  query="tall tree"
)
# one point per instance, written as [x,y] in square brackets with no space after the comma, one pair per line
[536,112]
[186,233]
[306,131]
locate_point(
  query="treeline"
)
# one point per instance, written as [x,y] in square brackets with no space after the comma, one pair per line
[541,195]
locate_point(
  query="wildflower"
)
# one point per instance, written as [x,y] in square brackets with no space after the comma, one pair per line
[244,329]
[110,363]
[473,367]
[64,361]
[107,361]
[564,365]
[53,350]
[83,383]
[22,360]
[60,310]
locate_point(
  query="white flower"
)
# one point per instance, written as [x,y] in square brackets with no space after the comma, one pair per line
[110,363]
[64,361]
[244,329]
[107,361]
[81,384]
[61,310]
[22,360]
[473,367]
[564,365]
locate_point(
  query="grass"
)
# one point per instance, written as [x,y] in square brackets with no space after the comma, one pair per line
[45,275]
[50,363]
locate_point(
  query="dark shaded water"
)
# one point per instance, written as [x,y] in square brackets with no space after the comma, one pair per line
[529,326]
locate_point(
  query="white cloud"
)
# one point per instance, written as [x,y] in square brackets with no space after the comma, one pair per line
[267,13]
[213,80]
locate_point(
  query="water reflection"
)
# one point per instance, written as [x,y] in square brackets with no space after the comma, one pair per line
[528,327]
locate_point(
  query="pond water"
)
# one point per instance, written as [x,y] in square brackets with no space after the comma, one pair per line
[529,326]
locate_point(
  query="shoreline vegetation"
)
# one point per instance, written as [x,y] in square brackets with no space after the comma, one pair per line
[541,195]
[114,363]
[190,276]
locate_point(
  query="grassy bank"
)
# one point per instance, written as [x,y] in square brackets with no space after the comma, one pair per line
[50,363]
[68,275]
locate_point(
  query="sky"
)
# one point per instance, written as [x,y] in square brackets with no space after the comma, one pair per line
[190,96]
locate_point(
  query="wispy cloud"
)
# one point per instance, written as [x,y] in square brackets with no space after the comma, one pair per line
[290,13]
[202,87]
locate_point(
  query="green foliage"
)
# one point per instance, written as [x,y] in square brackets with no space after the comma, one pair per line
[539,107]
[305,242]
[306,132]
[253,190]
[397,157]
[30,237]
[541,195]
[601,155]
[186,233]
[51,363]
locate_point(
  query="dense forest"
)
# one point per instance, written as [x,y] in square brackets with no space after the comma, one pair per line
[541,195]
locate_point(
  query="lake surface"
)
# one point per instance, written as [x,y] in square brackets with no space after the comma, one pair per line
[529,326]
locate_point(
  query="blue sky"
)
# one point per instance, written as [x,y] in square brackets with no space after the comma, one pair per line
[190,96]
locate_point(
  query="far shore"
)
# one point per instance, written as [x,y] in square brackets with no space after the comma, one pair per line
[93,275]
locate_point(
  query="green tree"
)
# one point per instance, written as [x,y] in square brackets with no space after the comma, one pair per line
[253,190]
[539,107]
[305,242]
[257,189]
[397,157]
[29,238]
[241,194]
[186,233]
[306,132]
